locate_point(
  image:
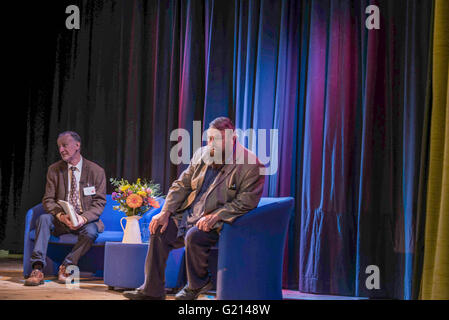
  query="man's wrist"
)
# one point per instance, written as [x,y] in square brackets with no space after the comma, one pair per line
[217,216]
[84,219]
[167,213]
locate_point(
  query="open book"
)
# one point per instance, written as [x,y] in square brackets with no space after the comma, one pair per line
[68,208]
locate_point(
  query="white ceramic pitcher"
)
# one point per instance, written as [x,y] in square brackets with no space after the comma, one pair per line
[132,230]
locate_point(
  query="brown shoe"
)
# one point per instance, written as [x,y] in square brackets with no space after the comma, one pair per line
[36,278]
[62,275]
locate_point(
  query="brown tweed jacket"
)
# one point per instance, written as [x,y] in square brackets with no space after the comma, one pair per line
[236,190]
[57,189]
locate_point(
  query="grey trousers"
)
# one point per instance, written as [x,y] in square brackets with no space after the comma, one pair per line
[197,248]
[46,225]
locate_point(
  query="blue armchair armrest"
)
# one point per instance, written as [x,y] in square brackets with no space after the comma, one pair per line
[147,216]
[251,252]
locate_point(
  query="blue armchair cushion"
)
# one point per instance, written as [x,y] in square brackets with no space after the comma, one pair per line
[113,236]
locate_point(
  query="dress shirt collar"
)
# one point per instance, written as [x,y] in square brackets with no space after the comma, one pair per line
[78,166]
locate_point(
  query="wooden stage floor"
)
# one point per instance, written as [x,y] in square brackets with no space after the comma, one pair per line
[12,288]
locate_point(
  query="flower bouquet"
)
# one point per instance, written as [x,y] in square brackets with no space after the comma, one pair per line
[137,198]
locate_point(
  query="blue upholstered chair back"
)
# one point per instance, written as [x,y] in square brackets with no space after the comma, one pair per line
[110,217]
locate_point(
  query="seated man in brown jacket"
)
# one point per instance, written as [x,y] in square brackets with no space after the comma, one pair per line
[83,184]
[223,181]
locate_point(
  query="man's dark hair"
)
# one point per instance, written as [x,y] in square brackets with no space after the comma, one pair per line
[222,123]
[74,135]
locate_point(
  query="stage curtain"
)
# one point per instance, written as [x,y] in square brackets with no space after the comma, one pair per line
[349,105]
[435,273]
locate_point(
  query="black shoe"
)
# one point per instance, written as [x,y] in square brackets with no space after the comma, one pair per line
[138,295]
[192,294]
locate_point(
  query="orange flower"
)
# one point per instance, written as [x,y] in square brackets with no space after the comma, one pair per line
[153,203]
[134,201]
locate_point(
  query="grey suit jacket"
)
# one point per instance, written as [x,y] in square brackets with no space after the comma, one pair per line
[57,189]
[236,190]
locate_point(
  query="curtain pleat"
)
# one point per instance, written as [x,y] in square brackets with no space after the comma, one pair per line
[435,273]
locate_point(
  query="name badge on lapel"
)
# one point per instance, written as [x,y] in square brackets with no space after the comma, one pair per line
[89,191]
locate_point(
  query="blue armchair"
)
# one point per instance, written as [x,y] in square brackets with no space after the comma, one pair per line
[251,252]
[247,262]
[59,247]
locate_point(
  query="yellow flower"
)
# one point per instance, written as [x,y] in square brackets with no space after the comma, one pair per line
[138,180]
[124,188]
[142,193]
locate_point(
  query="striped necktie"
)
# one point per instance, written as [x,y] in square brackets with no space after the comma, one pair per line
[73,196]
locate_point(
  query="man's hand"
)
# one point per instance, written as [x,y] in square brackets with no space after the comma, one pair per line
[81,221]
[207,222]
[161,219]
[66,220]
[63,218]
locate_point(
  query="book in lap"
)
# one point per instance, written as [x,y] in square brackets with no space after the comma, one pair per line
[68,209]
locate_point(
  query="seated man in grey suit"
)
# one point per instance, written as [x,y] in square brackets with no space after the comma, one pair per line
[83,184]
[223,181]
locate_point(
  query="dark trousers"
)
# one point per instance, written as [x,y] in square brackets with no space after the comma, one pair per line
[46,224]
[197,248]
